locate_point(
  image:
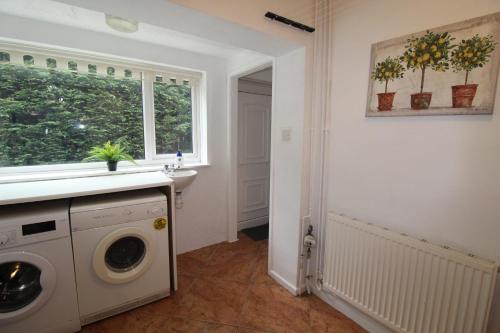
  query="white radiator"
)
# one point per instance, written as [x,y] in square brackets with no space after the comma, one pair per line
[407,284]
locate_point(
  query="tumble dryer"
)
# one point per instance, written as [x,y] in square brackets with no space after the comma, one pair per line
[121,250]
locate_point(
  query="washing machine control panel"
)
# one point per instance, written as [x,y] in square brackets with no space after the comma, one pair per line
[156,211]
[32,232]
[89,219]
[127,212]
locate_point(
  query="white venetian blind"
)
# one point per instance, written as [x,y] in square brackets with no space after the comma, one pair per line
[189,79]
[65,63]
[119,70]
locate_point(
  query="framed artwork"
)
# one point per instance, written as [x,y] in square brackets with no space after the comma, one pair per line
[450,70]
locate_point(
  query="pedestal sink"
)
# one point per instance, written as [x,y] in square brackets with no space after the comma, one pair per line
[182,178]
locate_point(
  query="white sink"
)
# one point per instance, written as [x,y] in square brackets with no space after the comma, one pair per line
[182,178]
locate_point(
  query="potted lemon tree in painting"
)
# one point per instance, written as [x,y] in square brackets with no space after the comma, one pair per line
[470,54]
[430,51]
[385,71]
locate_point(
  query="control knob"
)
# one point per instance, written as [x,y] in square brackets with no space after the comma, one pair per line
[127,212]
[4,239]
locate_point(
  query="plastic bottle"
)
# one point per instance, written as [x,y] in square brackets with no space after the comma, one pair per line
[179,159]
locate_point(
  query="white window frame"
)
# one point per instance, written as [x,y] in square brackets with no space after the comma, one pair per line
[149,118]
[148,70]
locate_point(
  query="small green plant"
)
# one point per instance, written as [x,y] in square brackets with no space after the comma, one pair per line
[428,51]
[388,70]
[110,153]
[472,53]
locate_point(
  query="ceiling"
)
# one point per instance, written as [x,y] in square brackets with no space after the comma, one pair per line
[68,15]
[168,15]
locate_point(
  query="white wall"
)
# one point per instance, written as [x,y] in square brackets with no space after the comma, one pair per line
[202,221]
[286,168]
[433,177]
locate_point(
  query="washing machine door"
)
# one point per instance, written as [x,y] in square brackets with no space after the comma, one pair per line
[27,282]
[123,255]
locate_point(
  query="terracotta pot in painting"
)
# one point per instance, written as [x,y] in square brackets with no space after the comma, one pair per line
[421,101]
[385,101]
[463,95]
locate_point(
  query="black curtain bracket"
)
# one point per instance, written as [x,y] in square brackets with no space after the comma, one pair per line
[282,19]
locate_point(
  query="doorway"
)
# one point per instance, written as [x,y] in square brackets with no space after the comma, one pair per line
[286,161]
[253,153]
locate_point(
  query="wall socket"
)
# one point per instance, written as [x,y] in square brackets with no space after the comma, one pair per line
[286,134]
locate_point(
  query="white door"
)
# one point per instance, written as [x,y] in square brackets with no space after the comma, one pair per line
[254,128]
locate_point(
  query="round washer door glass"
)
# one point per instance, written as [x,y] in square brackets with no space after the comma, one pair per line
[125,254]
[19,285]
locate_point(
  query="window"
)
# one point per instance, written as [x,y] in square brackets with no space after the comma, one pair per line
[52,115]
[173,118]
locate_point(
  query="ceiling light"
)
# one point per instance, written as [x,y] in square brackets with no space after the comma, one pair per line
[121,24]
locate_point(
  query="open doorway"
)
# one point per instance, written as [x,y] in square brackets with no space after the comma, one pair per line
[253,153]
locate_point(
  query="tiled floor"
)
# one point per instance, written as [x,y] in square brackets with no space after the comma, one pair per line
[225,288]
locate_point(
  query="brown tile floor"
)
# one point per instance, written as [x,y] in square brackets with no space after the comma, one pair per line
[225,288]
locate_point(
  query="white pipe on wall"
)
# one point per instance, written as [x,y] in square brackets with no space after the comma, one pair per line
[321,106]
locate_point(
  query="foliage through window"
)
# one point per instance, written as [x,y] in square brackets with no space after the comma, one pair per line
[173,118]
[56,115]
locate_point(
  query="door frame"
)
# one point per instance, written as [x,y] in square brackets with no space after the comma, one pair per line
[232,144]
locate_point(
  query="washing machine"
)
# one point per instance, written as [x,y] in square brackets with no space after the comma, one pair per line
[121,251]
[37,279]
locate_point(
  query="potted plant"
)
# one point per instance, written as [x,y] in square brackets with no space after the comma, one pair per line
[468,55]
[111,153]
[385,71]
[428,51]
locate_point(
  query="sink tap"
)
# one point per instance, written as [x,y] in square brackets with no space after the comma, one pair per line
[170,169]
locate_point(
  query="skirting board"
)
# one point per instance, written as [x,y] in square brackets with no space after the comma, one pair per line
[284,283]
[253,223]
[357,316]
[350,311]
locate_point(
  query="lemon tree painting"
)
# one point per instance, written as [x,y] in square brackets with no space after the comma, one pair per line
[470,54]
[447,70]
[388,70]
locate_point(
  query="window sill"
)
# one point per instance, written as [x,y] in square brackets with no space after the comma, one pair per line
[70,174]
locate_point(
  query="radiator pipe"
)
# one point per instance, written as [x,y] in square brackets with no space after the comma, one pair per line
[308,274]
[309,242]
[179,203]
[323,47]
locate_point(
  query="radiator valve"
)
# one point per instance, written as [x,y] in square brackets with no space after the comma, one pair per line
[309,239]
